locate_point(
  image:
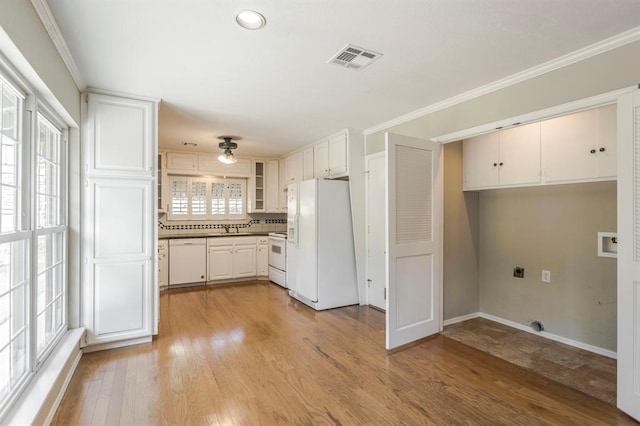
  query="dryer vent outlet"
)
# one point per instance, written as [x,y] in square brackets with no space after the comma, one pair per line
[537,326]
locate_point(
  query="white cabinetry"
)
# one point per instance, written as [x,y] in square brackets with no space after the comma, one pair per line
[331,158]
[244,257]
[119,290]
[257,187]
[182,161]
[507,158]
[273,187]
[580,146]
[163,264]
[262,257]
[307,164]
[294,168]
[219,259]
[191,163]
[231,257]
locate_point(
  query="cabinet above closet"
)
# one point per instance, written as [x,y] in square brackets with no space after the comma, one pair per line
[579,147]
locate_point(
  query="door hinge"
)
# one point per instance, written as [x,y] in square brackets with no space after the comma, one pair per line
[385,293]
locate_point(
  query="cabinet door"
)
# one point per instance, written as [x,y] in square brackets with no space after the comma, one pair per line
[244,259]
[119,287]
[520,155]
[122,135]
[338,164]
[569,146]
[241,168]
[262,261]
[321,160]
[257,188]
[182,161]
[220,263]
[272,190]
[307,164]
[210,163]
[295,167]
[283,173]
[607,141]
[481,161]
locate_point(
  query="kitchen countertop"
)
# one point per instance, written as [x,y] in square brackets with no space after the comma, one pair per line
[241,234]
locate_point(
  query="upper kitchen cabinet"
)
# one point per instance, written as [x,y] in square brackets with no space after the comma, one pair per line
[580,146]
[205,164]
[119,217]
[257,187]
[294,168]
[507,158]
[273,187]
[307,163]
[182,161]
[331,157]
[122,136]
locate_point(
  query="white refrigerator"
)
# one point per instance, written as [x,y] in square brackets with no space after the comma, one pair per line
[321,265]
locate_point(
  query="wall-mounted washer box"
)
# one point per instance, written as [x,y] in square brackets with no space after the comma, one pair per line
[607,244]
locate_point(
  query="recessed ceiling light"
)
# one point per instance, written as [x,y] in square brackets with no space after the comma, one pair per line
[250,19]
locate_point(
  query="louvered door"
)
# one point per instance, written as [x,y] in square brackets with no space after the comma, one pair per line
[413,240]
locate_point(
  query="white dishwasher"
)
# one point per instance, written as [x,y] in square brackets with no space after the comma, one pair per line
[187,261]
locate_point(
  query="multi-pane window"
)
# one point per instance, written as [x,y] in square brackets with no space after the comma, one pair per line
[14,250]
[32,240]
[50,235]
[207,198]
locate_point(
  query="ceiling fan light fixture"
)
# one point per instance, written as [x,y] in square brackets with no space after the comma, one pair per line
[227,157]
[228,145]
[250,19]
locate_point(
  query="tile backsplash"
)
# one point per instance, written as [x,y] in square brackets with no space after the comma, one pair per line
[253,223]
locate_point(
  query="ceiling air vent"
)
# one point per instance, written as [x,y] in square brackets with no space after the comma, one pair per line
[353,57]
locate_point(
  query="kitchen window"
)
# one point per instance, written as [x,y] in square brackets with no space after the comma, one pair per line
[33,282]
[207,198]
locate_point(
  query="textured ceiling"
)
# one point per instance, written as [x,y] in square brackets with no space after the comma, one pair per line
[273,87]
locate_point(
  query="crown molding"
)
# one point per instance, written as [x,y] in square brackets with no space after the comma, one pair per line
[50,24]
[571,58]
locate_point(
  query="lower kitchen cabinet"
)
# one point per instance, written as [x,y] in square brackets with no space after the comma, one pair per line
[244,260]
[231,257]
[262,257]
[220,262]
[163,264]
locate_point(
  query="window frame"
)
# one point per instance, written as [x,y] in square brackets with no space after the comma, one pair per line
[26,232]
[209,215]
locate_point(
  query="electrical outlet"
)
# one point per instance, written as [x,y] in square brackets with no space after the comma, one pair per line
[546,276]
[518,272]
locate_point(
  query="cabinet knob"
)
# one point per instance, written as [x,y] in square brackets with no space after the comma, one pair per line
[602,149]
[495,164]
[593,151]
[501,163]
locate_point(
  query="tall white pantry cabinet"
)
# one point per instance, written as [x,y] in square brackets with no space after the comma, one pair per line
[119,216]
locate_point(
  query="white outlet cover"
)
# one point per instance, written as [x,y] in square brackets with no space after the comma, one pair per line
[546,276]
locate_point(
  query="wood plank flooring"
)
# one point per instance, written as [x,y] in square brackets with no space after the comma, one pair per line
[249,355]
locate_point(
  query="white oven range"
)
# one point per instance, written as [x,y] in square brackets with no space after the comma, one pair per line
[278,258]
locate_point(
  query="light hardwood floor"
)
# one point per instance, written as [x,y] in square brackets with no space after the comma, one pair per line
[249,354]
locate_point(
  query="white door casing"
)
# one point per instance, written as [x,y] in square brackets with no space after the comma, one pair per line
[628,395]
[376,255]
[413,240]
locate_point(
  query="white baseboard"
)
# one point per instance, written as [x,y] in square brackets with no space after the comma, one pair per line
[461,318]
[118,344]
[551,336]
